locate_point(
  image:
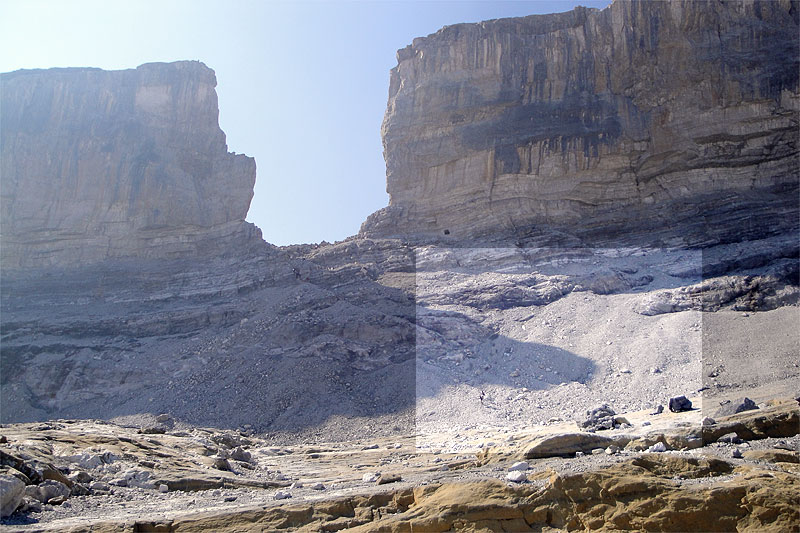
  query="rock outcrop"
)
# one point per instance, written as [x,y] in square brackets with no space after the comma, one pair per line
[663,122]
[126,262]
[102,165]
[133,480]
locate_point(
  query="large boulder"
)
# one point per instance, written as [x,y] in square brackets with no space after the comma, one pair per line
[11,492]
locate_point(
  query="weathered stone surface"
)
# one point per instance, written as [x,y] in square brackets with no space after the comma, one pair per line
[565,445]
[11,492]
[772,456]
[47,491]
[579,121]
[679,403]
[738,406]
[107,164]
[781,420]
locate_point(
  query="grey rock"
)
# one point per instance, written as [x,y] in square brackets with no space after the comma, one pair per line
[738,406]
[612,450]
[388,478]
[371,477]
[519,465]
[240,454]
[599,418]
[47,491]
[80,477]
[12,491]
[282,495]
[517,476]
[679,403]
[100,486]
[730,438]
[79,489]
[221,463]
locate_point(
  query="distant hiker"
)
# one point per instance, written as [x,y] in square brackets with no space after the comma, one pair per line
[482,396]
[296,273]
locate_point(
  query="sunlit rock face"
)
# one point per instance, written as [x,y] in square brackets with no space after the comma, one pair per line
[669,122]
[110,164]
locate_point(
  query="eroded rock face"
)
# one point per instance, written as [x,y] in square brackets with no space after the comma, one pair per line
[671,122]
[107,164]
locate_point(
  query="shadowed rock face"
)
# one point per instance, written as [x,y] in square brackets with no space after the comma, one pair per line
[667,121]
[107,164]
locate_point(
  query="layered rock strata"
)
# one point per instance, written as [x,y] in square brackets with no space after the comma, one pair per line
[102,165]
[669,122]
[168,477]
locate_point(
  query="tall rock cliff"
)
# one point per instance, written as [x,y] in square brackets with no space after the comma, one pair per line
[671,122]
[131,283]
[109,164]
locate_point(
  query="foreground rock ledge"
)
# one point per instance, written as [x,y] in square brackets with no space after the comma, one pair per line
[694,490]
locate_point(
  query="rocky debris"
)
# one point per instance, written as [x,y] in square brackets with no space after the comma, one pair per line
[607,478]
[52,492]
[730,438]
[737,406]
[240,454]
[679,403]
[356,331]
[771,288]
[612,450]
[601,417]
[221,463]
[621,495]
[12,490]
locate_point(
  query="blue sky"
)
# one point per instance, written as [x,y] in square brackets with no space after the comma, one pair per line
[302,85]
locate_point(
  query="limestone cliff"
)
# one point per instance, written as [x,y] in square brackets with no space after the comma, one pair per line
[672,121]
[107,164]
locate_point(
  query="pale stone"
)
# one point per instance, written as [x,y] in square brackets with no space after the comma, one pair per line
[11,492]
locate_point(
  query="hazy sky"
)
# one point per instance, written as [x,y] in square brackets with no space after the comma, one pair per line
[302,85]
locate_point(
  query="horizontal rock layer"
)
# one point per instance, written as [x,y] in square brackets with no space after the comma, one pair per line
[672,122]
[107,164]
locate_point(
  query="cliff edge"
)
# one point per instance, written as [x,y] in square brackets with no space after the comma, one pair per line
[101,165]
[665,122]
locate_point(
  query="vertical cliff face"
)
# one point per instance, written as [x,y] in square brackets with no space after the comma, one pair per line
[679,117]
[104,164]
